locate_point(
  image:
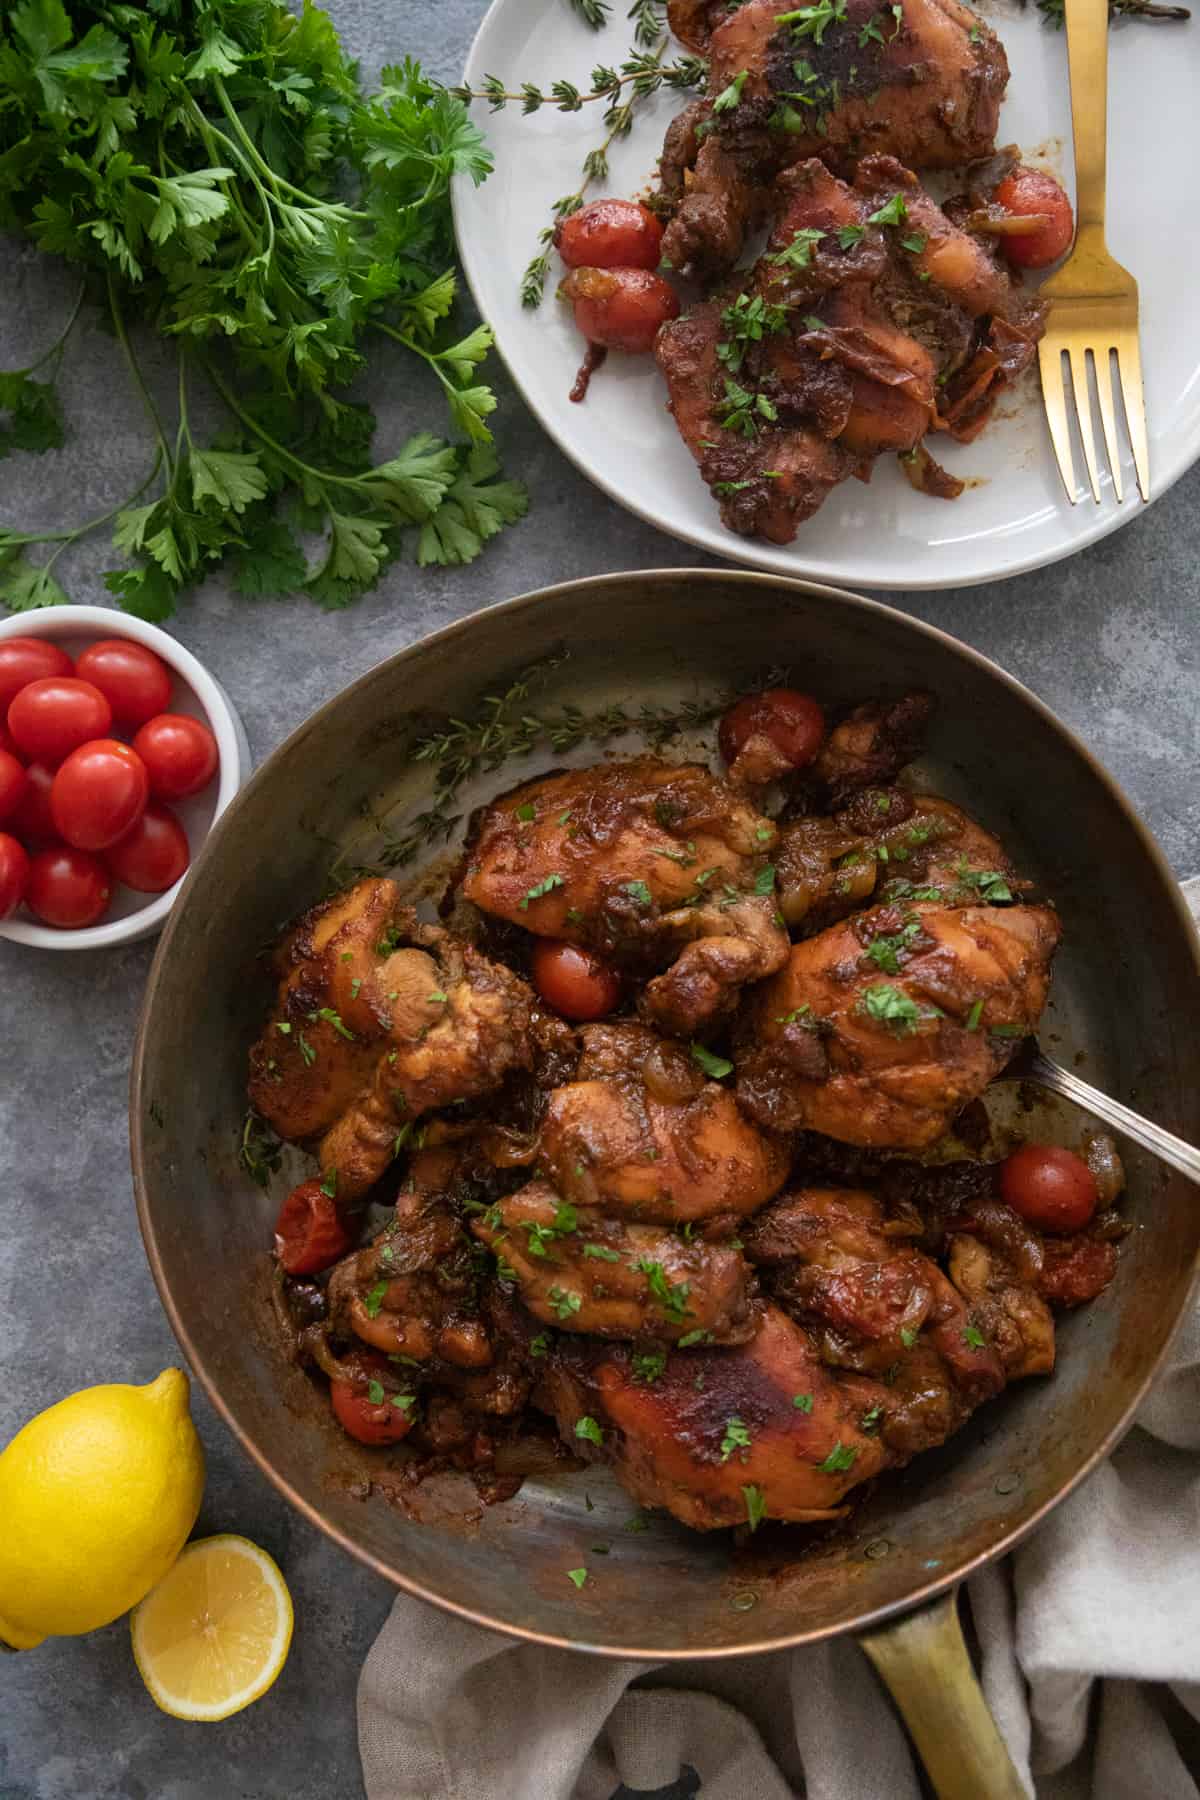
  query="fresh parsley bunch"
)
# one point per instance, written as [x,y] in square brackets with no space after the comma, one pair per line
[216,172]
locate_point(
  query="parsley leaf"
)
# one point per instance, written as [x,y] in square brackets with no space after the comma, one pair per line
[588,1428]
[756,1506]
[737,1437]
[802,1402]
[840,1458]
[715,1067]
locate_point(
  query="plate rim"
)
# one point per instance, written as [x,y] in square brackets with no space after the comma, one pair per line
[1110,515]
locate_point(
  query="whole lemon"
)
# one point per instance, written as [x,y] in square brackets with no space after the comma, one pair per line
[97,1497]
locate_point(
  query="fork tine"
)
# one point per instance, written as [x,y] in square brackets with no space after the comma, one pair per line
[1055,399]
[1083,412]
[1108,418]
[1129,368]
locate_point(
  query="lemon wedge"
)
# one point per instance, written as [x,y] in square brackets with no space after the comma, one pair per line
[214,1634]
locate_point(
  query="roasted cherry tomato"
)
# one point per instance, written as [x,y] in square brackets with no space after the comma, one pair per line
[99,793]
[14,874]
[152,856]
[13,783]
[180,755]
[573,981]
[793,722]
[368,1410]
[50,718]
[32,819]
[68,887]
[610,234]
[26,659]
[620,308]
[1026,192]
[1050,1188]
[135,682]
[309,1233]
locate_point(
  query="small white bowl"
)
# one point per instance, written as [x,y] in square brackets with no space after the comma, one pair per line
[193,690]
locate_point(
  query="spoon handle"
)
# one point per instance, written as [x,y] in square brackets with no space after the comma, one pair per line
[1163,1144]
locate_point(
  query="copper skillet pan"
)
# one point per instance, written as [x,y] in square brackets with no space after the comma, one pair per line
[1121,997]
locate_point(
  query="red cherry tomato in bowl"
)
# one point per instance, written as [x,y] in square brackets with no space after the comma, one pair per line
[135,682]
[792,721]
[50,718]
[68,888]
[369,1409]
[152,856]
[14,874]
[13,783]
[26,659]
[620,308]
[610,234]
[180,755]
[573,981]
[309,1233]
[99,794]
[1050,1188]
[32,819]
[1024,193]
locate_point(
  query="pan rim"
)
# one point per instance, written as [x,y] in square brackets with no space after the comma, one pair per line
[927,1591]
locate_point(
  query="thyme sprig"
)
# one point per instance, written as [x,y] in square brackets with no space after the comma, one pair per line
[260,1151]
[1052,10]
[505,727]
[592,12]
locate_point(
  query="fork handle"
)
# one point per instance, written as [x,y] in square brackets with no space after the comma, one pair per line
[1161,1143]
[1087,59]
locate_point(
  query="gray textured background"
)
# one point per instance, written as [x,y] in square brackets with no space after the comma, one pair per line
[1110,640]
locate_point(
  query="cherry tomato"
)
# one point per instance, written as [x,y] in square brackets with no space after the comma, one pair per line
[573,981]
[309,1234]
[68,887]
[50,718]
[620,308]
[26,659]
[32,819]
[99,794]
[6,737]
[1028,191]
[13,783]
[135,682]
[794,723]
[153,855]
[14,874]
[180,755]
[1050,1188]
[375,1420]
[610,234]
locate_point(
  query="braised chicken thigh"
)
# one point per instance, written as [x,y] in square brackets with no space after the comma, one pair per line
[647,862]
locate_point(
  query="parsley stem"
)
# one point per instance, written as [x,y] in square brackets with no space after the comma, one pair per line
[60,340]
[264,436]
[277,182]
[151,410]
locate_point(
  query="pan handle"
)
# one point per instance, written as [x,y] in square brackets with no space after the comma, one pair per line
[922,1657]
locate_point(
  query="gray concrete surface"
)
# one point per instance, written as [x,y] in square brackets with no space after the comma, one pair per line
[1111,640]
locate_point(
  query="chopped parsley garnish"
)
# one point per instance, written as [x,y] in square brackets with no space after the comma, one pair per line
[722,488]
[573,916]
[745,322]
[840,1458]
[892,1007]
[639,1522]
[601,1253]
[578,1576]
[885,952]
[540,1345]
[1008,1031]
[764,833]
[798,254]
[526,812]
[849,235]
[814,21]
[284,1028]
[990,884]
[736,1438]
[403,1401]
[588,1428]
[742,409]
[900,889]
[871,1418]
[375,1393]
[693,1337]
[729,97]
[331,1017]
[892,212]
[756,1506]
[389,942]
[506,1272]
[540,889]
[802,1402]
[564,818]
[764,881]
[329,1184]
[374,1300]
[915,241]
[974,1339]
[715,1067]
[637,890]
[437,998]
[907,1338]
[974,1016]
[564,1304]
[672,1297]
[306,1049]
[649,1367]
[355,989]
[798,1015]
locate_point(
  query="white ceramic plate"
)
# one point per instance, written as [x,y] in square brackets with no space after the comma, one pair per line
[1015,515]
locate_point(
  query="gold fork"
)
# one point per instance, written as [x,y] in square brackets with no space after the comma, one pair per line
[1093,300]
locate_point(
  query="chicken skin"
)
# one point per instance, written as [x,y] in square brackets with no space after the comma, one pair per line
[648,863]
[721,1437]
[581,1271]
[881,1029]
[924,86]
[641,1133]
[379,1020]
